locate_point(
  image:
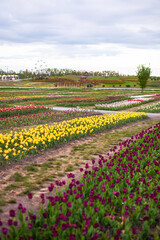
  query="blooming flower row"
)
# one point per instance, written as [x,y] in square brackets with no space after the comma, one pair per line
[18,98]
[20,110]
[117,197]
[21,98]
[41,118]
[153,108]
[31,96]
[123,104]
[14,145]
[88,101]
[135,100]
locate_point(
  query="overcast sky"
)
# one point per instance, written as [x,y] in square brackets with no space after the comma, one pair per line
[88,35]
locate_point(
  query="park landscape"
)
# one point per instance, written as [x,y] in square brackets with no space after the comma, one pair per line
[72,174]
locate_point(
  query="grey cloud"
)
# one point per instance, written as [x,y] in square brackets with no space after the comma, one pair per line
[81,22]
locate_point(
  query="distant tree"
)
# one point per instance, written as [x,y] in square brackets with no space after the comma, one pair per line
[143,74]
[2,72]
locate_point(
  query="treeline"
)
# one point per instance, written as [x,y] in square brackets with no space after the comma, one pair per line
[155,78]
[62,72]
[55,72]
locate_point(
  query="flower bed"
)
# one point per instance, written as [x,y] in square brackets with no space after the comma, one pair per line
[41,118]
[61,100]
[14,145]
[88,102]
[142,96]
[17,98]
[123,104]
[21,110]
[116,198]
[154,108]
[28,98]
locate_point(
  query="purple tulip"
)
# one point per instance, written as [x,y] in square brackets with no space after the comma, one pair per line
[69,204]
[12,213]
[30,196]
[84,231]
[30,225]
[124,190]
[87,165]
[96,225]
[20,206]
[69,213]
[4,231]
[23,210]
[96,209]
[131,195]
[146,207]
[145,218]
[112,185]
[126,214]
[54,233]
[42,195]
[15,223]
[134,231]
[74,225]
[45,215]
[72,236]
[50,188]
[10,222]
[119,231]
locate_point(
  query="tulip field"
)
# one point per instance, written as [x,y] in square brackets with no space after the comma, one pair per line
[16,144]
[115,196]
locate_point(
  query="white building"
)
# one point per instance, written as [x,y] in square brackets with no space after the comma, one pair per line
[8,77]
